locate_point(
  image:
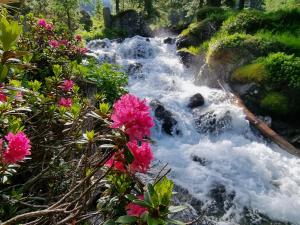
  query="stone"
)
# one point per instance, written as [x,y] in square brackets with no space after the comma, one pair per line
[135,69]
[210,122]
[169,41]
[195,101]
[165,117]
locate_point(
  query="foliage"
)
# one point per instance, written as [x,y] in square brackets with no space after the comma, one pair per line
[250,21]
[207,11]
[275,103]
[255,72]
[279,4]
[284,70]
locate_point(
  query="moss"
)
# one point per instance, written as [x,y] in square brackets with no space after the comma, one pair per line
[255,72]
[275,103]
[205,12]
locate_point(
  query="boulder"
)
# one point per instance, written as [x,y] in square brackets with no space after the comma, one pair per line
[187,58]
[196,100]
[165,117]
[210,122]
[132,23]
[135,69]
[169,41]
[184,42]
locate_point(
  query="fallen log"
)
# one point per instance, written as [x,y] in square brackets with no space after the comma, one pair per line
[265,129]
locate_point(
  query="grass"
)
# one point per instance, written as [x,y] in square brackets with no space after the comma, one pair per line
[255,72]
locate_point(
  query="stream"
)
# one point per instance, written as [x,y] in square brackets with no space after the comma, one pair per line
[226,166]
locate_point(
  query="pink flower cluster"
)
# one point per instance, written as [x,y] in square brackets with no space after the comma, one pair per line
[136,210]
[3,97]
[143,157]
[65,102]
[18,147]
[44,24]
[134,115]
[67,85]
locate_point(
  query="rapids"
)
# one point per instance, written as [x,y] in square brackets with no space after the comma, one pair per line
[255,173]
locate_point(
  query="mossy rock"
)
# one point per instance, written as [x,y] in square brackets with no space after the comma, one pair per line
[254,72]
[275,103]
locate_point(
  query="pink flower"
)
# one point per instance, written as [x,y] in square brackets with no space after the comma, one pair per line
[18,147]
[134,115]
[143,157]
[3,97]
[1,144]
[63,42]
[67,85]
[42,23]
[78,38]
[136,210]
[49,26]
[54,43]
[66,102]
[83,50]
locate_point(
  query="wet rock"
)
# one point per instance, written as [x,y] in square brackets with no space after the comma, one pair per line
[99,44]
[202,161]
[134,68]
[187,58]
[169,41]
[165,117]
[196,100]
[184,42]
[222,200]
[210,122]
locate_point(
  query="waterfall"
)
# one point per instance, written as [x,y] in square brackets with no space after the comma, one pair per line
[215,151]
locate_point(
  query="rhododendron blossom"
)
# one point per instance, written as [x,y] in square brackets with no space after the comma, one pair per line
[49,26]
[18,147]
[134,115]
[143,157]
[3,97]
[66,102]
[54,43]
[78,38]
[42,23]
[136,210]
[67,85]
[63,43]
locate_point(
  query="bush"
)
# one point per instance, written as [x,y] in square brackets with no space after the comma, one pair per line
[205,12]
[255,72]
[275,103]
[250,21]
[284,70]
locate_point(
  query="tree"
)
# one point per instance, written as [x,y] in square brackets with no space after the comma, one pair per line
[216,3]
[66,11]
[241,4]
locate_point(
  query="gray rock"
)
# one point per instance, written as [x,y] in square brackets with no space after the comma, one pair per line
[196,100]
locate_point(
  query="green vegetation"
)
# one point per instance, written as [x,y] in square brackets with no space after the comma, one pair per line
[255,72]
[275,103]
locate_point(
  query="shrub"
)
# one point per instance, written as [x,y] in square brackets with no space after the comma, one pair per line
[205,12]
[275,103]
[284,70]
[255,72]
[250,21]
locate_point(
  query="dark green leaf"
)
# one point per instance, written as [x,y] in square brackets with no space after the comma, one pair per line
[126,219]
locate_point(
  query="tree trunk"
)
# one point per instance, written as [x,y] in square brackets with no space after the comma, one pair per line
[117,6]
[241,4]
[256,4]
[230,3]
[215,3]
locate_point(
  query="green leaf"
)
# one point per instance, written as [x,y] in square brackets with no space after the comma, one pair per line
[3,72]
[104,107]
[128,156]
[152,221]
[175,209]
[9,33]
[126,219]
[130,197]
[57,70]
[163,190]
[109,222]
[171,221]
[142,203]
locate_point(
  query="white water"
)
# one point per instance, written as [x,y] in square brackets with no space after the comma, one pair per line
[262,176]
